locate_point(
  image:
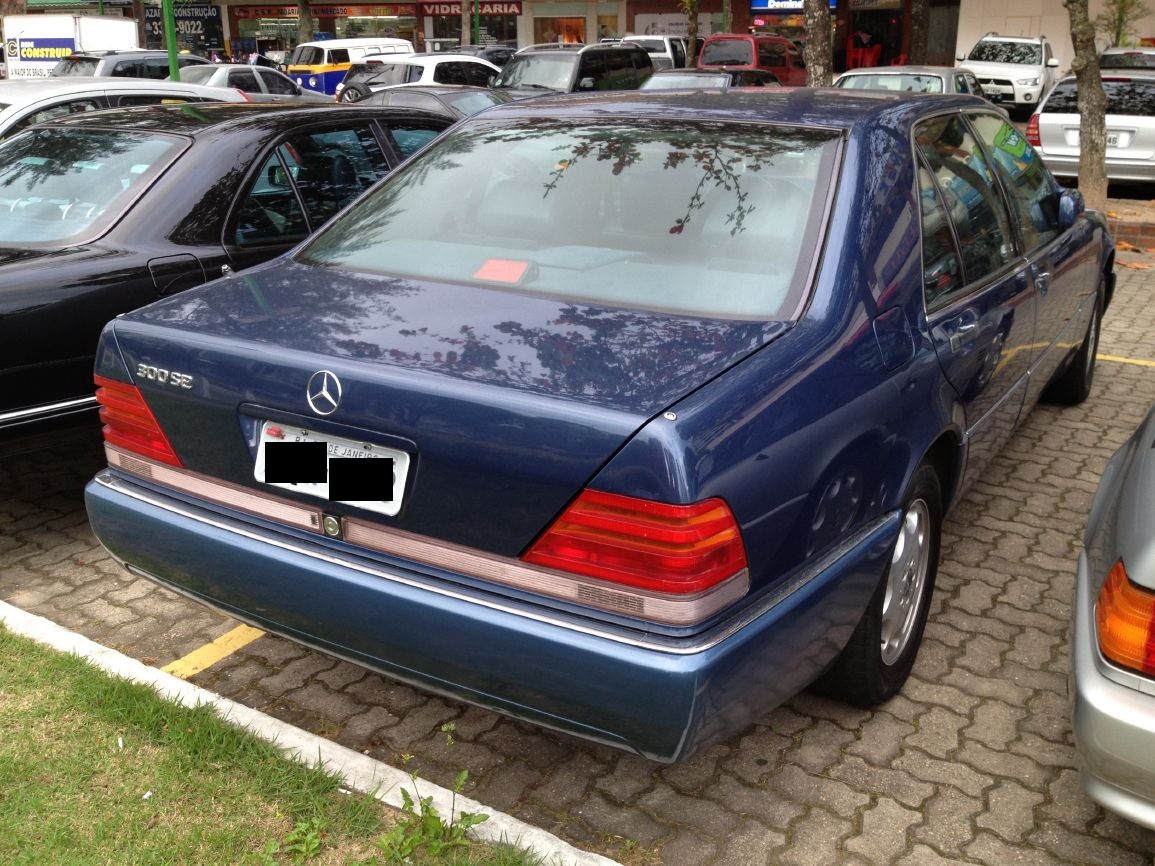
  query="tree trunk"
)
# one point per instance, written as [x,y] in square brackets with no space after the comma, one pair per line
[305,25]
[13,7]
[466,22]
[690,9]
[818,52]
[1092,107]
[919,31]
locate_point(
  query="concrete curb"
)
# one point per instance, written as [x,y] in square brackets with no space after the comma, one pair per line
[359,772]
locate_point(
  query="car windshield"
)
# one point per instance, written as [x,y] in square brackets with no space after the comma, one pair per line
[724,52]
[62,185]
[679,81]
[1127,60]
[990,51]
[888,81]
[1125,96]
[75,66]
[704,219]
[551,71]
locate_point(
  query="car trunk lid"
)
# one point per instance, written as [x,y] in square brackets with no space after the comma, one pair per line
[506,404]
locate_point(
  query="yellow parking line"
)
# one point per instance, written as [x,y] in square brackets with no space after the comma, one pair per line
[211,653]
[1137,361]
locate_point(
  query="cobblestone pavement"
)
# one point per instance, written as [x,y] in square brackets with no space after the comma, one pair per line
[972,763]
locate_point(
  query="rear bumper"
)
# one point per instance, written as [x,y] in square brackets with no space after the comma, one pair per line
[1114,724]
[661,697]
[1139,170]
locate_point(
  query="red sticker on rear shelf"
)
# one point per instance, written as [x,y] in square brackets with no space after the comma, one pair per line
[501,271]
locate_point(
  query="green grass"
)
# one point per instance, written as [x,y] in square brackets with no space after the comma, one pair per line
[98,770]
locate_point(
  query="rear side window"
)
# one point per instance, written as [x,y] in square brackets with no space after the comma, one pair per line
[411,137]
[127,69]
[450,72]
[972,198]
[157,67]
[1124,96]
[771,54]
[727,52]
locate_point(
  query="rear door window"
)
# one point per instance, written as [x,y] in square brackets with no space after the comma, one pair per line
[972,197]
[334,166]
[476,74]
[127,69]
[274,83]
[244,79]
[450,72]
[771,54]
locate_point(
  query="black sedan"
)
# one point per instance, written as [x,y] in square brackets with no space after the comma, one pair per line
[107,211]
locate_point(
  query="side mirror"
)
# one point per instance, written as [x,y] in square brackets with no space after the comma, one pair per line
[1053,63]
[1071,206]
[960,57]
[586,83]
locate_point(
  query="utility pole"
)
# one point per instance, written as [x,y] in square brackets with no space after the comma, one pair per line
[166,11]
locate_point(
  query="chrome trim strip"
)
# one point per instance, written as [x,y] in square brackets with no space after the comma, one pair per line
[49,409]
[696,644]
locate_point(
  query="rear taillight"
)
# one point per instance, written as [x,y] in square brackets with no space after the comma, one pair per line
[655,546]
[129,423]
[1125,617]
[1033,131]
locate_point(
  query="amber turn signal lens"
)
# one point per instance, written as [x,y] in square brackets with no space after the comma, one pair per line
[1125,617]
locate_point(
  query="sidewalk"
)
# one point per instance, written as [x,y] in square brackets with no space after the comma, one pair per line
[1132,221]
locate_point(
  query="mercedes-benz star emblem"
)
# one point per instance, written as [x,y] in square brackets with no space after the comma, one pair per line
[324,392]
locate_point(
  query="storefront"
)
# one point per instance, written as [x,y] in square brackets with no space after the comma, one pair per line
[664,17]
[573,22]
[198,28]
[272,30]
[497,22]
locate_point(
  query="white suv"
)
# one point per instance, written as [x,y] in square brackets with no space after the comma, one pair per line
[377,71]
[1019,69]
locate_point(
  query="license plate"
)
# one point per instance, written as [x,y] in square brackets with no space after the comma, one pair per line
[331,467]
[1112,139]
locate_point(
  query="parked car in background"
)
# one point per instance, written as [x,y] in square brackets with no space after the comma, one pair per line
[26,101]
[123,63]
[376,72]
[1142,57]
[104,212]
[571,482]
[775,54]
[698,79]
[1113,636]
[1130,126]
[1019,69]
[321,66]
[453,101]
[912,79]
[572,68]
[258,83]
[666,52]
[498,55]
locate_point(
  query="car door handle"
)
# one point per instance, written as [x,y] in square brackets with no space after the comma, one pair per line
[962,331]
[1042,281]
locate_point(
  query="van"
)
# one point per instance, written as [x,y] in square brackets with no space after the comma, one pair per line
[571,67]
[320,66]
[775,54]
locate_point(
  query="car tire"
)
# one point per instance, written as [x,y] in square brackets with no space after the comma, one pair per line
[1073,385]
[354,93]
[876,661]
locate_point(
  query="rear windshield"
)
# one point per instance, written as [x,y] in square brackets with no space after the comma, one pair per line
[905,83]
[1127,60]
[1007,52]
[1124,96]
[687,80]
[197,74]
[727,52]
[705,219]
[62,185]
[75,66]
[390,73]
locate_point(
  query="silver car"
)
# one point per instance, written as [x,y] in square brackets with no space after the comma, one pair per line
[1054,127]
[258,83]
[911,79]
[1113,638]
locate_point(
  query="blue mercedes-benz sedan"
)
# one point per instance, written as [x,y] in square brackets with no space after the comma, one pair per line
[629,414]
